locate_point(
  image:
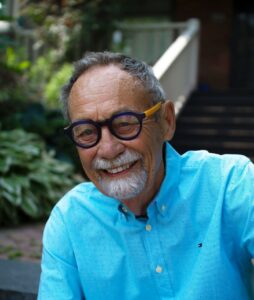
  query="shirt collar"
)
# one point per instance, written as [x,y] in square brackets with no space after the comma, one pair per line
[162,199]
[169,184]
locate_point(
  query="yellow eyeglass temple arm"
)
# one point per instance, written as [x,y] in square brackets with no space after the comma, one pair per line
[152,110]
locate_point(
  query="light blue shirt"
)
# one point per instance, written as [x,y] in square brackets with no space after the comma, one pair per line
[197,242]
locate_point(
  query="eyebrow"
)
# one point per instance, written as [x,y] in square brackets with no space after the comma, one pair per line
[121,110]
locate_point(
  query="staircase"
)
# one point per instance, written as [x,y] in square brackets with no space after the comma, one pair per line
[220,122]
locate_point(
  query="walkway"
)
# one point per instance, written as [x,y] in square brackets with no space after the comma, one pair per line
[22,243]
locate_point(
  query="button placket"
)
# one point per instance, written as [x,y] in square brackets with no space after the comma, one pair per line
[156,257]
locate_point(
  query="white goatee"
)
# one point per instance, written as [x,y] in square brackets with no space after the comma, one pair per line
[122,188]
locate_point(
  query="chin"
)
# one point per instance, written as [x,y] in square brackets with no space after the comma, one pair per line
[124,188]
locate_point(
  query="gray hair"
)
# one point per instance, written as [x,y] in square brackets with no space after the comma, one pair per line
[136,68]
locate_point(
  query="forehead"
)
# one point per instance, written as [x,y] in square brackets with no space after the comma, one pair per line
[103,90]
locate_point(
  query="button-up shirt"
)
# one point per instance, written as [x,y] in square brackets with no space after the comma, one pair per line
[196,242]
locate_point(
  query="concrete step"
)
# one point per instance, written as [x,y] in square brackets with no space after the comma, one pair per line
[217,133]
[208,143]
[19,280]
[217,110]
[223,100]
[220,122]
[213,120]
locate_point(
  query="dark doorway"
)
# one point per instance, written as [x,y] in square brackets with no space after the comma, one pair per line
[242,71]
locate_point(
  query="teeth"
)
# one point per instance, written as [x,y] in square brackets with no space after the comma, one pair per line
[118,169]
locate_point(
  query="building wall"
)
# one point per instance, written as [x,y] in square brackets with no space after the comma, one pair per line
[216,23]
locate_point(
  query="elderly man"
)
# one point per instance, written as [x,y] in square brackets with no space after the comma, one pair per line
[151,224]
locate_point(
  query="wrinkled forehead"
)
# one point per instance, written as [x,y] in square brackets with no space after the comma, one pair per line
[108,76]
[108,89]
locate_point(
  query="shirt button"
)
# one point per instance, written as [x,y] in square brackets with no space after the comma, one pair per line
[148,227]
[124,209]
[163,207]
[158,269]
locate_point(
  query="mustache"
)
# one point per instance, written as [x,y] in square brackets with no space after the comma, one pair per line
[129,156]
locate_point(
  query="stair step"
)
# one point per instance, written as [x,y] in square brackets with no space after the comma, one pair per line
[226,101]
[217,120]
[209,126]
[219,133]
[227,96]
[219,109]
[220,122]
[221,93]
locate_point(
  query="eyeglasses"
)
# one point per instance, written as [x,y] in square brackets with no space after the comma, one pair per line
[124,125]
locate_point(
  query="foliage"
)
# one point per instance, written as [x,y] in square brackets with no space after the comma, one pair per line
[14,62]
[45,78]
[31,179]
[59,33]
[54,85]
[47,123]
[13,68]
[22,101]
[38,75]
[72,28]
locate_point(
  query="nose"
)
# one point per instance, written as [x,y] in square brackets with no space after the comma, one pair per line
[109,146]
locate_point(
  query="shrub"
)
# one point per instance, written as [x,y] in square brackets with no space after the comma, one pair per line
[31,179]
[13,68]
[57,80]
[47,123]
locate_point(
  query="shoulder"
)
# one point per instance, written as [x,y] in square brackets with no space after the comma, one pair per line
[223,165]
[195,157]
[220,176]
[227,183]
[232,173]
[80,208]
[65,210]
[77,196]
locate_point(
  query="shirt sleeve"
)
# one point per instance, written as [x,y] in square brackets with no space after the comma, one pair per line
[59,274]
[240,201]
[248,231]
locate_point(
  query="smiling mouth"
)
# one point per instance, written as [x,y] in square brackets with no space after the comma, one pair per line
[121,169]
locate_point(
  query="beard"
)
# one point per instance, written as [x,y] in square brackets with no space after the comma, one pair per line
[127,187]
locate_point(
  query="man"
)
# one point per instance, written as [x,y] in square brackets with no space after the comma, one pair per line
[151,224]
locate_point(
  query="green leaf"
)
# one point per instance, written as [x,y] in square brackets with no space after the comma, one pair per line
[5,164]
[24,65]
[31,179]
[30,204]
[11,188]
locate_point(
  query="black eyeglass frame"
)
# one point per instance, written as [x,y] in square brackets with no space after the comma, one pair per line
[108,122]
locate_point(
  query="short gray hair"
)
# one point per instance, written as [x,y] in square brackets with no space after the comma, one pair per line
[136,68]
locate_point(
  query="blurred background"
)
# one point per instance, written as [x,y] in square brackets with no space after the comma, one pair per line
[201,51]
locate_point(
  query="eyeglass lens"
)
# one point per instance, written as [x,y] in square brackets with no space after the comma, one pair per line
[85,134]
[123,127]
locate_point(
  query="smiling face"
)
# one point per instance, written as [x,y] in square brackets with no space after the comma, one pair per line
[130,171]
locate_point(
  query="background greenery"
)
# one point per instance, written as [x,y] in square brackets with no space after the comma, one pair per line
[38,164]
[31,179]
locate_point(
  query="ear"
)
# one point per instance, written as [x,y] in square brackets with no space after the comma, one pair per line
[168,120]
